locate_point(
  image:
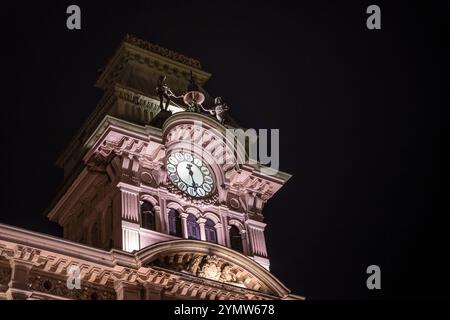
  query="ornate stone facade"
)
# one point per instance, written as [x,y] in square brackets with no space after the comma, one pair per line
[131,231]
[180,269]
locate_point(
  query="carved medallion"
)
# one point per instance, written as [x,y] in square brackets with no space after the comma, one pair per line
[210,268]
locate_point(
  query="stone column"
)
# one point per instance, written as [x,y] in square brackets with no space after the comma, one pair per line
[244,240]
[164,217]
[256,236]
[184,228]
[220,235]
[159,219]
[127,290]
[18,285]
[130,202]
[257,243]
[201,223]
[130,236]
[226,231]
[130,216]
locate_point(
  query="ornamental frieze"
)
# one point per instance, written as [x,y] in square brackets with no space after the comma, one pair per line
[59,288]
[162,51]
[211,267]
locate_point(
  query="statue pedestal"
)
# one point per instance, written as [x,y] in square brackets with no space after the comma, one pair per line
[160,118]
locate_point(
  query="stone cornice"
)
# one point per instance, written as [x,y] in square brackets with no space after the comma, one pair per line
[161,60]
[162,51]
[50,258]
[24,238]
[99,116]
[91,143]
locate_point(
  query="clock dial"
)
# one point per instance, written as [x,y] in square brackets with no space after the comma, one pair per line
[192,191]
[188,157]
[198,162]
[190,174]
[179,156]
[207,187]
[201,192]
[182,186]
[173,161]
[174,178]
[208,180]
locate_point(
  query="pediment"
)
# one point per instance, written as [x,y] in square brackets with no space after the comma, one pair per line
[212,262]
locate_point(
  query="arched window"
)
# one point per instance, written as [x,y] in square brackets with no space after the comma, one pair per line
[193,227]
[174,223]
[236,239]
[210,231]
[148,216]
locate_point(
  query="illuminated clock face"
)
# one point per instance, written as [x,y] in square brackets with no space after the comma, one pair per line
[190,174]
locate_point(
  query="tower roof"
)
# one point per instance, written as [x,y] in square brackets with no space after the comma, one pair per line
[137,64]
[176,56]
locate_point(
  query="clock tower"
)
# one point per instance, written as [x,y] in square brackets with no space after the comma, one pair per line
[137,175]
[158,200]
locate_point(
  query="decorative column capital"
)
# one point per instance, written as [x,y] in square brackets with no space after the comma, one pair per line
[184,215]
[128,187]
[184,228]
[255,224]
[201,222]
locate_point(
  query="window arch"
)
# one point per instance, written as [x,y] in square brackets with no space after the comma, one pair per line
[236,239]
[148,216]
[193,228]
[210,231]
[174,223]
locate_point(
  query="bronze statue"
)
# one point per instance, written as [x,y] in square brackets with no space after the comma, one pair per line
[220,109]
[163,92]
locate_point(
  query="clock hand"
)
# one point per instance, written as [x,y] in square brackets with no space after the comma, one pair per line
[194,185]
[191,173]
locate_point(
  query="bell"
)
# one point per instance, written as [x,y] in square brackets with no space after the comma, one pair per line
[193,95]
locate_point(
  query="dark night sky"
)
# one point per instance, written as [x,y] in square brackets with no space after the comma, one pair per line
[363,119]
